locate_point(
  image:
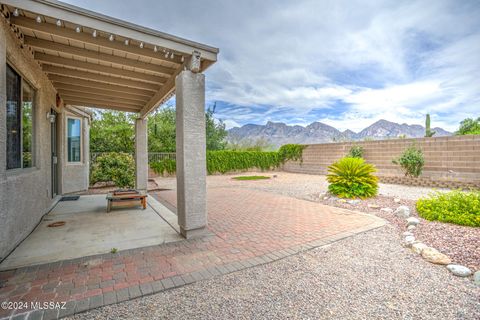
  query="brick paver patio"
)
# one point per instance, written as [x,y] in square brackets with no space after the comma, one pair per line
[249,228]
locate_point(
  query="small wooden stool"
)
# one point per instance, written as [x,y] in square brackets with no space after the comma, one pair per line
[125,196]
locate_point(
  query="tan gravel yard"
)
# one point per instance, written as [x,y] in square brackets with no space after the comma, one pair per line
[304,186]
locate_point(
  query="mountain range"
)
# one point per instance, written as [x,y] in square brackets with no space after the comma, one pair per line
[279,133]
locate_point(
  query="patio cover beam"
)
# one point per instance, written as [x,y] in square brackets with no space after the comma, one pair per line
[99,104]
[100,78]
[91,83]
[163,94]
[84,53]
[86,66]
[93,90]
[100,97]
[107,101]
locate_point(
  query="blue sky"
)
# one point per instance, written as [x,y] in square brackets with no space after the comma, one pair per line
[345,63]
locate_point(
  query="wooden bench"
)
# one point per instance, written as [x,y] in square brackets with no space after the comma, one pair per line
[126,197]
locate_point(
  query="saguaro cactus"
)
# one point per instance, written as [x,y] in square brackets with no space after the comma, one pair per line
[428,131]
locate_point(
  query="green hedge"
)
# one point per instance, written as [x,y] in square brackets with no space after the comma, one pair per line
[292,152]
[164,166]
[224,161]
[457,207]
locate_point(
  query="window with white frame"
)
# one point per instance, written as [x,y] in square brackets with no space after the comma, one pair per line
[74,139]
[20,115]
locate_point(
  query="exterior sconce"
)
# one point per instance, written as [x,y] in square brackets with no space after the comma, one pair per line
[51,117]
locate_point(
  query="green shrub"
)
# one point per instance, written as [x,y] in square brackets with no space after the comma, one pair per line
[167,165]
[225,161]
[118,168]
[411,161]
[352,178]
[457,207]
[355,152]
[469,126]
[291,152]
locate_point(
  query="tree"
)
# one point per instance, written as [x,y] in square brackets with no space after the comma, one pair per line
[161,130]
[216,132]
[428,132]
[112,131]
[469,126]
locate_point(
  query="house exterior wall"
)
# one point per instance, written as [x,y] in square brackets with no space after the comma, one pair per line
[74,175]
[450,162]
[26,194]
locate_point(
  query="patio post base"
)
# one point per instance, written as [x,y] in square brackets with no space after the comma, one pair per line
[194,233]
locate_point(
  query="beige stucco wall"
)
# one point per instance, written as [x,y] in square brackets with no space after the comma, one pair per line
[454,160]
[74,175]
[25,194]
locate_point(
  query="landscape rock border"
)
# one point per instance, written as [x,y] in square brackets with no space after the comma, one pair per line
[429,254]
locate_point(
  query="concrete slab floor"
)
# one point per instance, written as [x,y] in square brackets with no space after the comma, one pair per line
[90,230]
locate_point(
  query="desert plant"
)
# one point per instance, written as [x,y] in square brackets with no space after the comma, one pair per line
[428,132]
[355,152]
[291,152]
[411,161]
[352,178]
[456,207]
[115,167]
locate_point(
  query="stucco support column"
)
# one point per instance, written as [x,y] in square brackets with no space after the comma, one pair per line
[191,154]
[141,154]
[3,110]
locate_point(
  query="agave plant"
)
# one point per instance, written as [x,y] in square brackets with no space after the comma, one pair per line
[352,178]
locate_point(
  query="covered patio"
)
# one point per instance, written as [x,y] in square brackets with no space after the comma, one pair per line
[82,228]
[100,62]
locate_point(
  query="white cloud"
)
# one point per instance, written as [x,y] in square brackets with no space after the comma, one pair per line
[400,98]
[231,124]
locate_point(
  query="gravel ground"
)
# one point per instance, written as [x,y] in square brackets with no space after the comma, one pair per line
[367,276]
[294,185]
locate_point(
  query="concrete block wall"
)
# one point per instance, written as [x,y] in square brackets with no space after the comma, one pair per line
[449,161]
